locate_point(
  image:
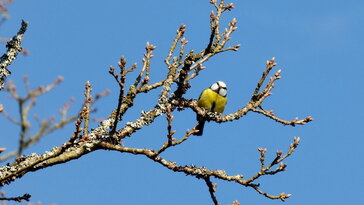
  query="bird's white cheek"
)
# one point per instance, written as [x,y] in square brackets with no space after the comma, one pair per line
[223,92]
[222,84]
[214,87]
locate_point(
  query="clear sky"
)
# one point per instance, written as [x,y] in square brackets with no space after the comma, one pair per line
[317,44]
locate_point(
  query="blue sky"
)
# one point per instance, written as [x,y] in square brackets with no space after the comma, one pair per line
[317,44]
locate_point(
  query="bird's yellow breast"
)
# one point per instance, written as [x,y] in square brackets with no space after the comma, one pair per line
[212,101]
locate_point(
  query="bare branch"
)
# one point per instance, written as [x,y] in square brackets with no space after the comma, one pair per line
[169,143]
[14,47]
[146,66]
[212,189]
[25,197]
[25,104]
[272,116]
[86,109]
[202,172]
[67,152]
[254,103]
[182,67]
[169,118]
[180,33]
[266,170]
[270,64]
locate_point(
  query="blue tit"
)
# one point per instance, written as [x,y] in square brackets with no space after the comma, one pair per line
[213,99]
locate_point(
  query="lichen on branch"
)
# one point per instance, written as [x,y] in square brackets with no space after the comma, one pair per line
[13,48]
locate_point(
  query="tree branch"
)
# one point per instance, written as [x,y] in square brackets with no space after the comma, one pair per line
[14,47]
[25,197]
[212,189]
[182,67]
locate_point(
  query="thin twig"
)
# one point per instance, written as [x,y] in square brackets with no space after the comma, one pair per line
[269,65]
[294,122]
[169,143]
[86,109]
[121,82]
[25,197]
[212,189]
[180,33]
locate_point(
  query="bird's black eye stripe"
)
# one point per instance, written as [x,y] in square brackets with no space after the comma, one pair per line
[220,86]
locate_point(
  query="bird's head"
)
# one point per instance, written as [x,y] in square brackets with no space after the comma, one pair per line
[220,88]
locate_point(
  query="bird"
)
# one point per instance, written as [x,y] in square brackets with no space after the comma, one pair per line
[213,99]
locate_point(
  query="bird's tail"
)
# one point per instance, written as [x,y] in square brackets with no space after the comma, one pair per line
[199,127]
